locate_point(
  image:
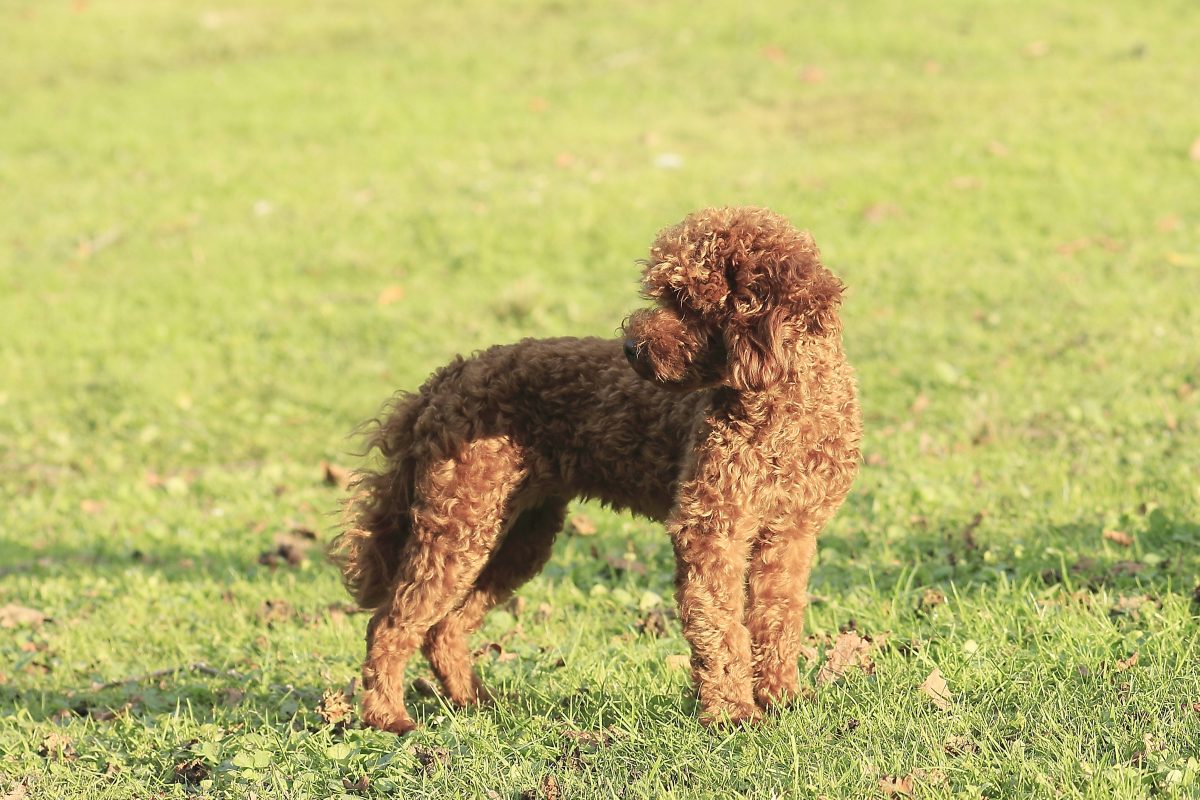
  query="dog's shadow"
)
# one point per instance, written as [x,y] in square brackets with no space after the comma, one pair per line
[961,555]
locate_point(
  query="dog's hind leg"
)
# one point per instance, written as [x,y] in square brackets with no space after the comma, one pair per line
[522,554]
[457,522]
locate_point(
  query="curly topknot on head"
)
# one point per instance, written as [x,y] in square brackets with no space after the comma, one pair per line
[742,262]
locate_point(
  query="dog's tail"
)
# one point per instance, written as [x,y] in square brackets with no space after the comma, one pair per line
[377,515]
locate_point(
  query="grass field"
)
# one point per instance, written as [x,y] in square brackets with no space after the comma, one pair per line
[228,234]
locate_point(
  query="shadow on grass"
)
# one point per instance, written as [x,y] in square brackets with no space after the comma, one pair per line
[1151,552]
[1162,557]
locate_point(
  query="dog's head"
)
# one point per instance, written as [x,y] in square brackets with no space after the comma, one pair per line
[734,290]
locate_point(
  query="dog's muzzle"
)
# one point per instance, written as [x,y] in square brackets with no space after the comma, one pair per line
[631,351]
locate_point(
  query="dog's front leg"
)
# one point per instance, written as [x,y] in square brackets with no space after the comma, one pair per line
[712,544]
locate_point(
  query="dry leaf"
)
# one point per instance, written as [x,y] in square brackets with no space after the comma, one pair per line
[1119,537]
[774,54]
[581,525]
[936,690]
[960,745]
[91,506]
[1127,568]
[589,740]
[334,475]
[335,708]
[1130,605]
[191,772]
[19,791]
[498,649]
[879,212]
[626,563]
[1194,150]
[389,295]
[543,613]
[849,650]
[1170,223]
[930,599]
[654,623]
[13,615]
[896,787]
[919,404]
[359,785]
[1125,663]
[549,787]
[811,74]
[57,747]
[272,611]
[431,758]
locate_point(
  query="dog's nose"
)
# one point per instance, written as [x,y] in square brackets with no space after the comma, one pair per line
[631,351]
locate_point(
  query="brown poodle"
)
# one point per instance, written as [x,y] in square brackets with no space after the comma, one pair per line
[737,425]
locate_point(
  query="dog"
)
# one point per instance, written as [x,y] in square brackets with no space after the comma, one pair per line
[727,410]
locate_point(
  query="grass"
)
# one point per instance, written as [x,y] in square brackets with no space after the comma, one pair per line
[226,235]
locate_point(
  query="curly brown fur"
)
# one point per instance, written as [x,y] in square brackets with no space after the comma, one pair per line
[737,425]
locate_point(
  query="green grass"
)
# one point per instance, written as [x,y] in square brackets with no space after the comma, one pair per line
[201,207]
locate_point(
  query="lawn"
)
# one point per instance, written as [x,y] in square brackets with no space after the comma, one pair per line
[227,234]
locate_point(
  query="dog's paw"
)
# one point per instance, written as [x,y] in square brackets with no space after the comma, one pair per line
[731,715]
[380,715]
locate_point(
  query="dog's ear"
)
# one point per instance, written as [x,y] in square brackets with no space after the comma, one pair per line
[755,356]
[774,302]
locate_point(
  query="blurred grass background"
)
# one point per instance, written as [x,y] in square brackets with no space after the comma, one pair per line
[229,232]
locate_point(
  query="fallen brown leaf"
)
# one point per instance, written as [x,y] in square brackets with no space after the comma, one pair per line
[359,785]
[879,212]
[626,563]
[960,745]
[934,687]
[1170,223]
[57,747]
[19,791]
[1126,663]
[498,649]
[849,650]
[919,405]
[91,506]
[13,615]
[333,475]
[190,772]
[896,787]
[654,623]
[430,758]
[589,740]
[930,599]
[581,525]
[1130,605]
[272,611]
[549,787]
[1194,150]
[335,708]
[812,74]
[389,295]
[516,606]
[1127,568]
[1119,537]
